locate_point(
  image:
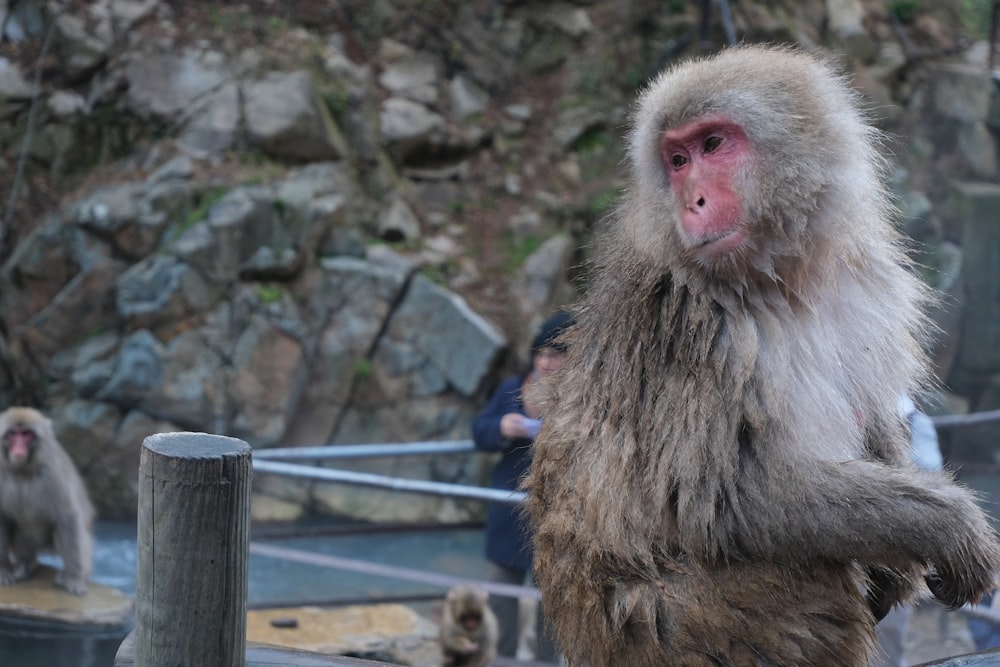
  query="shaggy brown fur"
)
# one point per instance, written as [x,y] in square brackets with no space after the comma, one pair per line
[722,472]
[43,503]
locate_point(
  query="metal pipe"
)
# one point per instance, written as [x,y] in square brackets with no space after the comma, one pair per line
[367,451]
[966,420]
[386,482]
[432,447]
[391,571]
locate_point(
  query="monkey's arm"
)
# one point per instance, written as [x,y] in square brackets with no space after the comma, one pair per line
[72,538]
[861,511]
[457,641]
[7,575]
[486,425]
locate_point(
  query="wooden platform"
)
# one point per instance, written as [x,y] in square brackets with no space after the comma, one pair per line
[262,655]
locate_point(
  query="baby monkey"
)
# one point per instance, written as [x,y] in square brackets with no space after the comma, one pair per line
[469,630]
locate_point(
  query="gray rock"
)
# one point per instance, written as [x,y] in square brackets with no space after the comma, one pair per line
[41,265]
[181,382]
[352,298]
[521,112]
[120,464]
[74,313]
[85,429]
[138,369]
[846,21]
[13,85]
[408,126]
[164,85]
[126,13]
[228,244]
[436,334]
[133,216]
[399,222]
[180,168]
[65,105]
[268,376]
[573,21]
[946,312]
[962,92]
[24,20]
[88,365]
[467,98]
[337,64]
[162,290]
[319,194]
[79,49]
[541,278]
[415,79]
[914,206]
[977,146]
[576,121]
[525,222]
[214,126]
[286,119]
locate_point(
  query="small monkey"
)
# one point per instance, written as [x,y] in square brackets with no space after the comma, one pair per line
[722,476]
[43,503]
[469,630]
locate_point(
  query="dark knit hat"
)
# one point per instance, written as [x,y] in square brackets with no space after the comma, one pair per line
[550,330]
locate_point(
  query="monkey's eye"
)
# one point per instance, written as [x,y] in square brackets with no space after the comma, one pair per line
[677,160]
[712,144]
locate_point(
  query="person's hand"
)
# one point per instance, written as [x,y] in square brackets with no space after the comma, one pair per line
[516,425]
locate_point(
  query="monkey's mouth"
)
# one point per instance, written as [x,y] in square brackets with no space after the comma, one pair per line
[720,245]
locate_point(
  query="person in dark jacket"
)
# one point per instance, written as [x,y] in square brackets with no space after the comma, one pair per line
[508,425]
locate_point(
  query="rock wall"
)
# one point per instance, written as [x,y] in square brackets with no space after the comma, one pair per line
[304,223]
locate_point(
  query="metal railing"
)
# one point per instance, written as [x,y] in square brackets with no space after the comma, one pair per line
[275,461]
[270,461]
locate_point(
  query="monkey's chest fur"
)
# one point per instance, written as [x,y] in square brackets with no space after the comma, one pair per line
[668,442]
[28,522]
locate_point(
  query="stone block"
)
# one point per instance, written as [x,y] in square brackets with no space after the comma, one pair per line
[963,92]
[976,205]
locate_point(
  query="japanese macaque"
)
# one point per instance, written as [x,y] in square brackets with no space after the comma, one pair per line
[722,475]
[43,503]
[469,630]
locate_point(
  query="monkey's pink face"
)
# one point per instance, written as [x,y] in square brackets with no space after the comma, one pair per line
[702,160]
[17,444]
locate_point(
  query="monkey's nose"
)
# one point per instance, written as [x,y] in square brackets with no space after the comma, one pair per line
[696,204]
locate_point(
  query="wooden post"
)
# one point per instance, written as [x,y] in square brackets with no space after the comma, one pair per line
[193,551]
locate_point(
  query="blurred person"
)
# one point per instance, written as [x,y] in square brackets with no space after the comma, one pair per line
[508,424]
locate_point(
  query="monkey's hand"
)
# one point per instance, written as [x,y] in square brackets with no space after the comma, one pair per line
[951,592]
[17,572]
[886,588]
[71,584]
[466,645]
[966,578]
